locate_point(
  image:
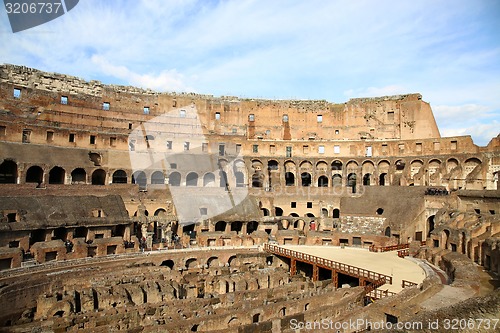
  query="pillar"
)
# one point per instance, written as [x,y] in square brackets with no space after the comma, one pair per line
[293,267]
[315,276]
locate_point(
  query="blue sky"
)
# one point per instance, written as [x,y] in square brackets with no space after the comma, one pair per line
[449,51]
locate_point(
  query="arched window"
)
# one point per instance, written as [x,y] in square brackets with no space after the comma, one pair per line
[336,213]
[174,179]
[99,177]
[323,181]
[220,226]
[351,182]
[119,177]
[56,175]
[278,211]
[240,179]
[158,177]
[289,179]
[209,180]
[382,179]
[336,165]
[160,212]
[78,176]
[192,179]
[336,180]
[139,177]
[8,172]
[306,178]
[34,175]
[257,180]
[366,179]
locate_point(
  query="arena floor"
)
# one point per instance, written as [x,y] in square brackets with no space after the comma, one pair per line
[387,263]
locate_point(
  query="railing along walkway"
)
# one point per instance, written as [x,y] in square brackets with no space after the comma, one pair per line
[373,277]
[406,246]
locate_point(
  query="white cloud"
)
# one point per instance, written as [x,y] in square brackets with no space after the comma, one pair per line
[167,80]
[448,115]
[481,133]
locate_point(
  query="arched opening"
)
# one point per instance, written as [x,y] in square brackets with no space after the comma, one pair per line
[78,176]
[256,318]
[8,172]
[192,179]
[336,213]
[174,179]
[160,212]
[351,182]
[336,180]
[272,165]
[119,177]
[236,226]
[158,177]
[382,179]
[366,179]
[265,211]
[294,215]
[337,165]
[323,181]
[310,215]
[209,180]
[463,242]
[220,226]
[56,175]
[168,263]
[34,175]
[324,212]
[257,180]
[278,211]
[380,211]
[139,177]
[387,232]
[445,236]
[213,262]
[289,179]
[306,178]
[252,226]
[430,225]
[240,179]
[191,263]
[98,177]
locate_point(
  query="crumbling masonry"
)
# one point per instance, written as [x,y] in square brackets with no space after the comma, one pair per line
[83,194]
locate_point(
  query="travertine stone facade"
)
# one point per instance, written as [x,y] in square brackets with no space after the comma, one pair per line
[90,171]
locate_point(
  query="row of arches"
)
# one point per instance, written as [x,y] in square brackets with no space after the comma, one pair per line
[209,179]
[56,175]
[322,174]
[190,263]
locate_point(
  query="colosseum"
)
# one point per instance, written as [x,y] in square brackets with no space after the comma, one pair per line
[123,209]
